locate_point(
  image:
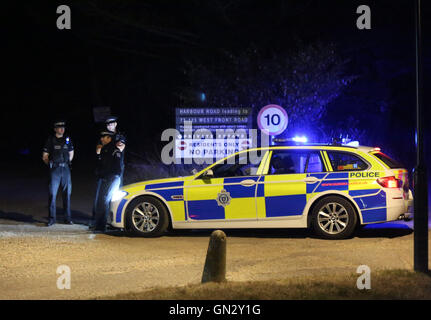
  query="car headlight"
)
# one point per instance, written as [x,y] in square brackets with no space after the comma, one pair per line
[118,194]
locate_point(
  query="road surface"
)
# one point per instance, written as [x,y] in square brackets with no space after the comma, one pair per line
[109,264]
[113,263]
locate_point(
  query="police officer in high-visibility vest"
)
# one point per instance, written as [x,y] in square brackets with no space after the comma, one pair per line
[57,155]
[108,172]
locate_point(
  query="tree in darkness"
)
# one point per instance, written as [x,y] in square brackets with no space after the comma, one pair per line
[303,81]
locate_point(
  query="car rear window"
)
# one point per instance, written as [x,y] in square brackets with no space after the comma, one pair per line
[391,163]
[345,161]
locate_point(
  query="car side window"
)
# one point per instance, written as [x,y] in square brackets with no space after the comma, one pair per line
[240,166]
[294,161]
[346,161]
[315,163]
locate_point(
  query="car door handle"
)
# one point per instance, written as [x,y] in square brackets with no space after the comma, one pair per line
[311,180]
[248,183]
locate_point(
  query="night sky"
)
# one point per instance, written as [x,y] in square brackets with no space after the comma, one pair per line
[130,56]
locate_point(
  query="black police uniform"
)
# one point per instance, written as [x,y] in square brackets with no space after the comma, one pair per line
[108,171]
[59,173]
[98,185]
[117,137]
[120,137]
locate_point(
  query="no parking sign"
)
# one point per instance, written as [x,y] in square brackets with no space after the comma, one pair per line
[272,119]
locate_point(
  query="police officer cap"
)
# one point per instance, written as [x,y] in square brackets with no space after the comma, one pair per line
[59,124]
[111,119]
[104,133]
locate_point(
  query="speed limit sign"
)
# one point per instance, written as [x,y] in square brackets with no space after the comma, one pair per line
[272,119]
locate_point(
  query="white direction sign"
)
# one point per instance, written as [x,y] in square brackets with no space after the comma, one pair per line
[272,119]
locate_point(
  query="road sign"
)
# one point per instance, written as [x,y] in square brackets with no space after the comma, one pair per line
[226,131]
[272,119]
[210,147]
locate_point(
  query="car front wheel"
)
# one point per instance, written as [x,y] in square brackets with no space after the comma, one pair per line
[147,217]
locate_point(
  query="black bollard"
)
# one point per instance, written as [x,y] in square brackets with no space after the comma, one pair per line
[215,263]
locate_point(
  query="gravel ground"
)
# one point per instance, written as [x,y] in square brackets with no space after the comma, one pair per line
[110,264]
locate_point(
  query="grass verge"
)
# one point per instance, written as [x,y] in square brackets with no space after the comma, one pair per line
[385,284]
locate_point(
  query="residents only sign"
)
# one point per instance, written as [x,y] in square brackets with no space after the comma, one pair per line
[209,148]
[226,121]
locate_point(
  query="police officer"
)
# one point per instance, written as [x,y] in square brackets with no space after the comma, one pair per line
[119,140]
[108,172]
[58,154]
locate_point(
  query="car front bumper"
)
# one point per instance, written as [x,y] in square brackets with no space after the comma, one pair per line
[116,212]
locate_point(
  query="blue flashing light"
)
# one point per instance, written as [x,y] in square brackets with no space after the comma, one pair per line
[203,96]
[353,144]
[294,141]
[302,139]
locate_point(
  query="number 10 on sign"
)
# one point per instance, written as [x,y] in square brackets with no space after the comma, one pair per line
[272,119]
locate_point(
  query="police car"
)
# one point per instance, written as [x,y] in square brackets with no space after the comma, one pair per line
[331,189]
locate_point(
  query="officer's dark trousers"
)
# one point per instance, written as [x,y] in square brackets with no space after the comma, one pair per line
[60,177]
[107,188]
[98,186]
[121,178]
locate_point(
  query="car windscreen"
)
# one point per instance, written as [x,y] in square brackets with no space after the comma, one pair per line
[391,163]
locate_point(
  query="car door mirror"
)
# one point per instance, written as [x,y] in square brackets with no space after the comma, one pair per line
[208,174]
[194,171]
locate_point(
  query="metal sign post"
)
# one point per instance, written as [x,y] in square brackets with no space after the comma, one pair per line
[420,176]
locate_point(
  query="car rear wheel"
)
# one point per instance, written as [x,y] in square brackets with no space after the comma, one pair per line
[333,218]
[147,217]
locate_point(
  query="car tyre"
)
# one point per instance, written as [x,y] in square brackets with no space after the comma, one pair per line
[333,217]
[146,217]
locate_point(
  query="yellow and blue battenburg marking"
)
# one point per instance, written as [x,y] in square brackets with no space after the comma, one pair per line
[330,181]
[173,194]
[284,195]
[203,196]
[287,195]
[372,204]
[266,196]
[120,210]
[361,186]
[368,195]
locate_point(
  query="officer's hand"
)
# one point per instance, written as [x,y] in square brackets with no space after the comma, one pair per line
[45,158]
[98,148]
[120,145]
